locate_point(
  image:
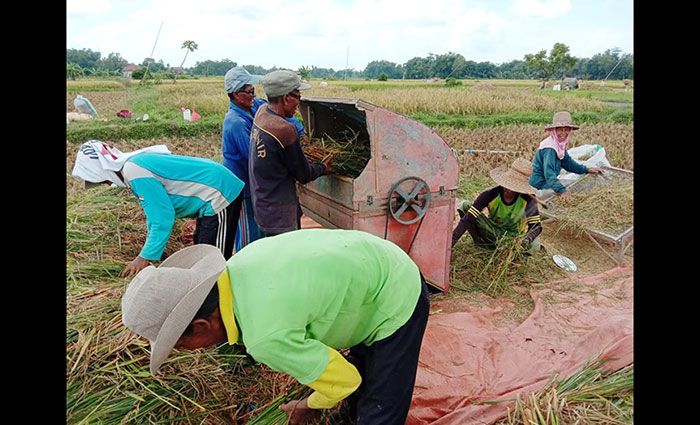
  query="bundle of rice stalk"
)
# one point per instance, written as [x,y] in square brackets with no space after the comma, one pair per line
[271,414]
[350,152]
[508,249]
[607,208]
[496,270]
[109,382]
[590,396]
[542,409]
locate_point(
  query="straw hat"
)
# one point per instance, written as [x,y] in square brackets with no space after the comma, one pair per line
[514,177]
[562,119]
[160,302]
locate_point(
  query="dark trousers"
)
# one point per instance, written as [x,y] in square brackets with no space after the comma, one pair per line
[388,369]
[220,230]
[270,234]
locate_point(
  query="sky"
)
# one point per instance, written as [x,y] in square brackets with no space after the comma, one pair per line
[333,33]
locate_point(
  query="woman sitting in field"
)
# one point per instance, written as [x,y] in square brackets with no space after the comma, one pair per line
[551,157]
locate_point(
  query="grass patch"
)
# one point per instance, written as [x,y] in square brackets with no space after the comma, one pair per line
[89,85]
[600,95]
[152,129]
[469,188]
[607,115]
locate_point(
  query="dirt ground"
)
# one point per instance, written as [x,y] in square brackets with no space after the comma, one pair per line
[588,257]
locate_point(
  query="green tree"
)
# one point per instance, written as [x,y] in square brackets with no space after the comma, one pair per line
[513,70]
[580,69]
[419,68]
[154,66]
[304,72]
[322,72]
[86,58]
[610,62]
[375,68]
[209,67]
[150,67]
[141,74]
[539,65]
[74,71]
[562,61]
[258,70]
[113,62]
[382,77]
[557,64]
[448,65]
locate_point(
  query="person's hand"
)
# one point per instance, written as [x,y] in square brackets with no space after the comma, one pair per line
[327,164]
[595,170]
[565,196]
[299,412]
[135,266]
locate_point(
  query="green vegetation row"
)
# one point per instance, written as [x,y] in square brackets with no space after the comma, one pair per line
[474,104]
[608,115]
[81,132]
[143,129]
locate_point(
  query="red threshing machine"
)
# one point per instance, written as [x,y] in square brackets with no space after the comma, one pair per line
[406,192]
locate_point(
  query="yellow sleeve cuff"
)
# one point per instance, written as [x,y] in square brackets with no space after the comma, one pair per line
[338,381]
[226,307]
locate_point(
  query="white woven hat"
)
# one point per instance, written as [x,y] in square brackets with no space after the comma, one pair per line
[160,302]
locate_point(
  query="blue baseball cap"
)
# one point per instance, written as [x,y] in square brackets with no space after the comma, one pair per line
[238,77]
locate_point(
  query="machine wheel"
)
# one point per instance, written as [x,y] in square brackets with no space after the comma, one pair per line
[418,199]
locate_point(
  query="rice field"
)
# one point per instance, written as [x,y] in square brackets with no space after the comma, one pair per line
[107,378]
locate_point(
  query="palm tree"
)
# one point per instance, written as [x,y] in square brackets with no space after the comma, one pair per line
[74,71]
[190,46]
[304,72]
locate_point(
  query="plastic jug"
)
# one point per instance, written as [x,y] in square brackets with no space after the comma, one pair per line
[186,114]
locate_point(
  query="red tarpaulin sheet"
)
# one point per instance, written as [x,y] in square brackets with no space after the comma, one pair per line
[467,357]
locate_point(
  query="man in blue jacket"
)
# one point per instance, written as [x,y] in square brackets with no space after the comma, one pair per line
[168,187]
[235,143]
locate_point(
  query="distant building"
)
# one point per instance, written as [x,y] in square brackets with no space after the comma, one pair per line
[177,70]
[128,69]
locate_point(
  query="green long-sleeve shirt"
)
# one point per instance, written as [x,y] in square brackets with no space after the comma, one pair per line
[299,293]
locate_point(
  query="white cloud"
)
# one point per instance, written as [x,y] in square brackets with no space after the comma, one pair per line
[88,7]
[318,32]
[541,8]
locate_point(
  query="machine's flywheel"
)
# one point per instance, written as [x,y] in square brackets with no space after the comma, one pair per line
[400,200]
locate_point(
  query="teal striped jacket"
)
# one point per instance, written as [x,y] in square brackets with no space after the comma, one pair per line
[174,186]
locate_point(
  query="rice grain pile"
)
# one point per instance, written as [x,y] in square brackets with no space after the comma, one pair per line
[607,207]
